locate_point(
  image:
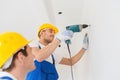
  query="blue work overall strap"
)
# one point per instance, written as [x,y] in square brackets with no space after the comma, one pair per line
[5,78]
[53,59]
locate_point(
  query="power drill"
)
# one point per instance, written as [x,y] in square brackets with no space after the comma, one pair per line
[75,28]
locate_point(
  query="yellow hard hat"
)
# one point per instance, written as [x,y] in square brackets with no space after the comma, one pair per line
[10,42]
[47,25]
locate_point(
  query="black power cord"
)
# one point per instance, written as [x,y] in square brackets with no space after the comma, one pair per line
[70,61]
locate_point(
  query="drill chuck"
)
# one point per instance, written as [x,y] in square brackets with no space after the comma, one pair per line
[85,26]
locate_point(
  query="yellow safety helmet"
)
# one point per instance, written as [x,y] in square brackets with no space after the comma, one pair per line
[47,25]
[10,42]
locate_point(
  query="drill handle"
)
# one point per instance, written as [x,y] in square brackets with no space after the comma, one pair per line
[68,42]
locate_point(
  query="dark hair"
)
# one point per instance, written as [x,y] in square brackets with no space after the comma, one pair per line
[14,57]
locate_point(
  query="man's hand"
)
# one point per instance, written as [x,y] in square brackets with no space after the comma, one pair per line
[65,35]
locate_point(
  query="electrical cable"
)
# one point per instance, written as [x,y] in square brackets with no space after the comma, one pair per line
[70,61]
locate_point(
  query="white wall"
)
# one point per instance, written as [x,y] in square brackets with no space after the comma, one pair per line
[104,51]
[24,16]
[101,61]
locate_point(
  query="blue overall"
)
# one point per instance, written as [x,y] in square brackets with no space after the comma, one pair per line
[44,71]
[35,74]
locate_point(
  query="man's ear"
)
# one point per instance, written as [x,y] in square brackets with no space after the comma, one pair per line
[42,32]
[20,57]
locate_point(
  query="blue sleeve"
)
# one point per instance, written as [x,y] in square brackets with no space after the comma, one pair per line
[5,78]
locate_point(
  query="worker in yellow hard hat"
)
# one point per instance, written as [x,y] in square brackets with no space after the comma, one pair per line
[47,70]
[17,58]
